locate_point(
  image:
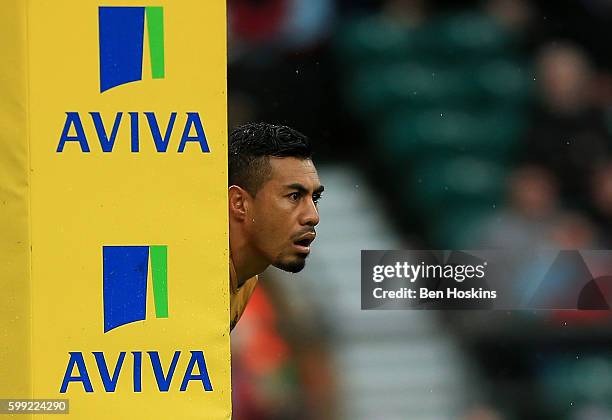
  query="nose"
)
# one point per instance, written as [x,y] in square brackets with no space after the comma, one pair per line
[310,215]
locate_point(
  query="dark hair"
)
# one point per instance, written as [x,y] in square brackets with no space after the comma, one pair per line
[250,147]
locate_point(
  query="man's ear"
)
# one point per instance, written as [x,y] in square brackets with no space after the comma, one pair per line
[238,202]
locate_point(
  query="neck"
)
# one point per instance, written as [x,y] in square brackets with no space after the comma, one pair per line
[246,261]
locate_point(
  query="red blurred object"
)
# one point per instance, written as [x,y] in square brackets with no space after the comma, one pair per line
[260,362]
[575,317]
[264,348]
[257,20]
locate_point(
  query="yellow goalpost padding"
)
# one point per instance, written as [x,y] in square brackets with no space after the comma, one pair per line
[113,203]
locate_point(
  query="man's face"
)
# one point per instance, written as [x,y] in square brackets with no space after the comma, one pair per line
[284,213]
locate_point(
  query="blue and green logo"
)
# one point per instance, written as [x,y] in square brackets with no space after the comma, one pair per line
[122,44]
[125,273]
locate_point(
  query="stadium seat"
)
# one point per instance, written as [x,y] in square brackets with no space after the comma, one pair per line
[453,183]
[457,228]
[408,136]
[468,35]
[372,39]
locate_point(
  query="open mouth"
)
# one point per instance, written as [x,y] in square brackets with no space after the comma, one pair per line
[303,244]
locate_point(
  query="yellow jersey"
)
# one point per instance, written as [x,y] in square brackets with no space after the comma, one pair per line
[239,296]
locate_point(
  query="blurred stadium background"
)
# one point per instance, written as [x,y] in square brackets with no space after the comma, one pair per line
[437,125]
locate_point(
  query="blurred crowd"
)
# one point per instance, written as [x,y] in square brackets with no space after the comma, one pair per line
[479,124]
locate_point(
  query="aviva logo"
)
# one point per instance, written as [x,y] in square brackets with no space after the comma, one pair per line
[122,44]
[125,271]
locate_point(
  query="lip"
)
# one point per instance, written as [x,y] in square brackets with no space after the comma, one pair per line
[309,238]
[302,249]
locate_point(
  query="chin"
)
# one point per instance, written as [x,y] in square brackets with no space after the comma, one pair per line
[294,265]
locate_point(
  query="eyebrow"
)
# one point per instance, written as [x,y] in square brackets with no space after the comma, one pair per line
[304,190]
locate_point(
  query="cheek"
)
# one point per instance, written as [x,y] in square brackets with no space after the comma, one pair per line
[262,222]
[271,225]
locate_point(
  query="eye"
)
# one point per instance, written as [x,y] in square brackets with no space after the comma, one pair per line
[295,196]
[316,198]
